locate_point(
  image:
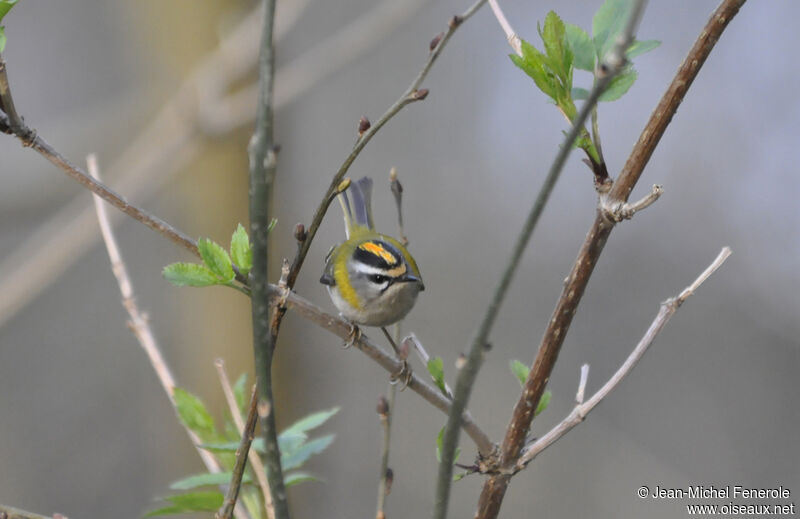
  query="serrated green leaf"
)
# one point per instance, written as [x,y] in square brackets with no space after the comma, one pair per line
[295,478]
[216,259]
[301,455]
[193,502]
[532,63]
[580,94]
[194,415]
[5,7]
[202,480]
[520,370]
[439,441]
[309,422]
[240,393]
[619,85]
[189,275]
[241,253]
[638,48]
[436,369]
[543,402]
[559,55]
[608,23]
[582,47]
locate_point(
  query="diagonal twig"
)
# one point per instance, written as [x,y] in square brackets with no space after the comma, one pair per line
[140,326]
[495,487]
[231,496]
[469,372]
[578,414]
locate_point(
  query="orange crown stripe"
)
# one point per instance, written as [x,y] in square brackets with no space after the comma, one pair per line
[378,250]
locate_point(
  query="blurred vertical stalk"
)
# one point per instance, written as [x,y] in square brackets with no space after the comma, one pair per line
[263,159]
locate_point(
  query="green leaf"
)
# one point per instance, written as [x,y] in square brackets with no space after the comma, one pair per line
[2,39]
[287,443]
[241,252]
[638,48]
[216,259]
[5,7]
[439,440]
[201,480]
[579,94]
[436,369]
[520,370]
[619,85]
[532,63]
[557,50]
[543,402]
[608,23]
[194,415]
[194,502]
[295,478]
[582,47]
[301,455]
[311,421]
[460,476]
[189,274]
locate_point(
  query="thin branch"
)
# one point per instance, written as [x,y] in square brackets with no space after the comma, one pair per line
[263,163]
[14,123]
[511,35]
[232,495]
[495,487]
[342,329]
[7,512]
[578,414]
[386,406]
[176,135]
[469,372]
[29,138]
[140,326]
[246,429]
[411,94]
[298,76]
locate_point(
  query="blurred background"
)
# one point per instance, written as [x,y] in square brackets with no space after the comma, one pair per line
[85,428]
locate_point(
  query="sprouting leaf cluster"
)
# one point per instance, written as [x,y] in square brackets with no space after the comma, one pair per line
[218,265]
[5,7]
[568,47]
[202,490]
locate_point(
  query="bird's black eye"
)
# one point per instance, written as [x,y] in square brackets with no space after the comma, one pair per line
[378,279]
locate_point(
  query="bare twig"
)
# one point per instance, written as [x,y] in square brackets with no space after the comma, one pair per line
[342,329]
[386,407]
[511,35]
[232,495]
[7,512]
[578,414]
[620,210]
[468,373]
[495,487]
[176,134]
[29,138]
[242,427]
[410,95]
[140,325]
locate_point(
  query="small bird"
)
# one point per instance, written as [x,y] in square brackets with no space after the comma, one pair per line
[372,278]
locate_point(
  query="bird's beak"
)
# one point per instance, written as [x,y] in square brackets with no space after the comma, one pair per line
[411,278]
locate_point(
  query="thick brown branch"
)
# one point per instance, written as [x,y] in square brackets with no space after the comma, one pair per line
[494,489]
